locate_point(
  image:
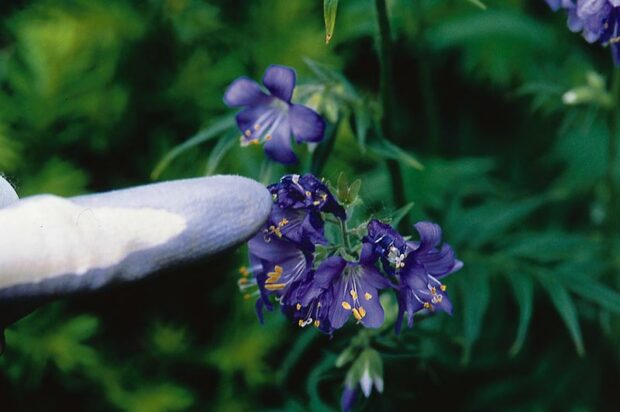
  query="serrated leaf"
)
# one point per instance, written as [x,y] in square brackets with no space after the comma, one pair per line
[389,150]
[565,307]
[330,9]
[211,132]
[476,295]
[523,288]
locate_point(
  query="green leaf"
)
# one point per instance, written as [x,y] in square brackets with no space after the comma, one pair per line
[222,147]
[476,294]
[401,213]
[565,306]
[483,224]
[330,8]
[362,121]
[478,4]
[313,382]
[523,288]
[211,132]
[389,150]
[581,284]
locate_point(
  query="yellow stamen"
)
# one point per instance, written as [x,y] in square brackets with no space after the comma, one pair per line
[300,323]
[427,305]
[275,275]
[353,294]
[346,305]
[362,311]
[268,137]
[356,314]
[248,133]
[243,281]
[317,323]
[275,286]
[308,193]
[367,296]
[244,271]
[247,296]
[256,126]
[443,288]
[298,306]
[433,291]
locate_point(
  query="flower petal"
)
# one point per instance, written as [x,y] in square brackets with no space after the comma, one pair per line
[439,263]
[342,303]
[307,125]
[348,399]
[276,250]
[366,383]
[280,80]
[244,92]
[279,146]
[328,270]
[250,117]
[430,236]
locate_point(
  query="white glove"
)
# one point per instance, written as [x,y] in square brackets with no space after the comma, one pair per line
[53,247]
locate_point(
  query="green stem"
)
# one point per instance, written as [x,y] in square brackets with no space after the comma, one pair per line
[345,235]
[429,101]
[387,99]
[612,226]
[266,171]
[385,56]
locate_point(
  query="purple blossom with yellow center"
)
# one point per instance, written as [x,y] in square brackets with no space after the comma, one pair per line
[278,266]
[270,117]
[425,264]
[597,20]
[298,203]
[354,289]
[281,254]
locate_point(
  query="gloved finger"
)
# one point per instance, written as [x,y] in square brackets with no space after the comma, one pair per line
[54,247]
[7,194]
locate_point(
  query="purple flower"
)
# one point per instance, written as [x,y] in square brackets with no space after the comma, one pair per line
[271,117]
[425,263]
[298,203]
[597,20]
[280,266]
[348,398]
[354,291]
[305,192]
[311,305]
[382,241]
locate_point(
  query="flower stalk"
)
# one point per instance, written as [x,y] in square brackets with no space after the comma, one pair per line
[612,226]
[387,98]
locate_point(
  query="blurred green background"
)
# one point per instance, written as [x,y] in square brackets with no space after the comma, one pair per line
[93,93]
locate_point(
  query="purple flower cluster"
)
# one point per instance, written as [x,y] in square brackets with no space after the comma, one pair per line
[597,20]
[270,117]
[328,293]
